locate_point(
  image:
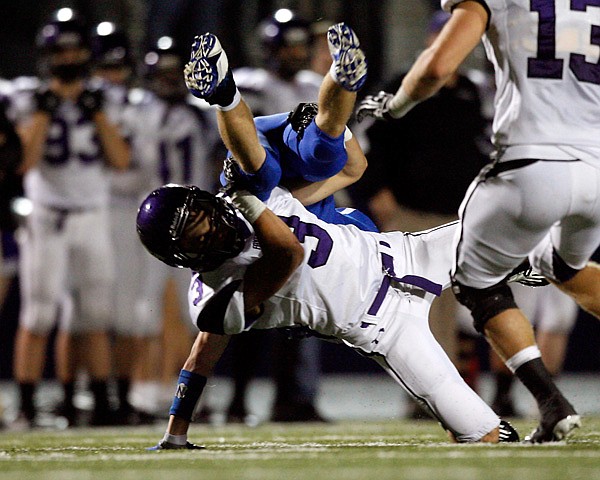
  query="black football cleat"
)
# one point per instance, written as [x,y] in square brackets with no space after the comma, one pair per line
[508,434]
[559,418]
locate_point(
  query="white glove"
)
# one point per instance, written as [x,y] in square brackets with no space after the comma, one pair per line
[375,106]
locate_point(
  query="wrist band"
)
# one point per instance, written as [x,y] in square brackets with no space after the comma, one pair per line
[400,104]
[189,388]
[250,206]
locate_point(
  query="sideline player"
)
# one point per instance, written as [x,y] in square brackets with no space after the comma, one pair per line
[69,144]
[548,147]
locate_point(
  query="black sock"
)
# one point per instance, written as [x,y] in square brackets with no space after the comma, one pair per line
[68,393]
[123,387]
[27,392]
[99,390]
[537,379]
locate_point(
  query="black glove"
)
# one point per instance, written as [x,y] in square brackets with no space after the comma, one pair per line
[90,102]
[301,117]
[46,101]
[233,176]
[162,445]
[375,106]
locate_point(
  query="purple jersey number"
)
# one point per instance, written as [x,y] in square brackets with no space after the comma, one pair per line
[320,254]
[546,65]
[58,145]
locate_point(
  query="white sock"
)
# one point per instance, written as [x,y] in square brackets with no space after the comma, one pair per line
[524,356]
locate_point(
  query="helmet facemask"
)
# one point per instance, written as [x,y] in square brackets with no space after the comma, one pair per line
[187,245]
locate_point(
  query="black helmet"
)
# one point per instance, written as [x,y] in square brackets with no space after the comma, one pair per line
[64,30]
[284,28]
[110,46]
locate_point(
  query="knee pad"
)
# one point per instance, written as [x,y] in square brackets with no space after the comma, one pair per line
[484,303]
[548,261]
[562,271]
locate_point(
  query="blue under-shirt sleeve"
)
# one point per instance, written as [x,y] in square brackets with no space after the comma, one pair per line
[263,181]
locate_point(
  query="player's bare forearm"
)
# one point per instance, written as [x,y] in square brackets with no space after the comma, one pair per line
[33,137]
[456,41]
[281,255]
[114,146]
[205,353]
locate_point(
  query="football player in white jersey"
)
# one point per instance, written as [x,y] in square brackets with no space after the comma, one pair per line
[539,198]
[287,268]
[180,141]
[70,143]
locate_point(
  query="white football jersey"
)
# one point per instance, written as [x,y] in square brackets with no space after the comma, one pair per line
[267,94]
[345,280]
[72,173]
[178,142]
[546,58]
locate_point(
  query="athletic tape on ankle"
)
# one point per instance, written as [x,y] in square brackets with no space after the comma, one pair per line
[524,356]
[400,104]
[250,206]
[175,439]
[189,388]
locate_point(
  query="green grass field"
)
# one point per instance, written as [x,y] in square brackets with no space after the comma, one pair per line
[397,449]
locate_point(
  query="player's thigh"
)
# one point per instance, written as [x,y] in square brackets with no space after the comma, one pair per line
[44,252]
[577,236]
[95,262]
[502,220]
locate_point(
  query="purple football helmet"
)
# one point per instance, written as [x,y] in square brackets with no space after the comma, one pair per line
[164,215]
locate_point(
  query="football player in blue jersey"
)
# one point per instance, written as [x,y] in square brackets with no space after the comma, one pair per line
[303,148]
